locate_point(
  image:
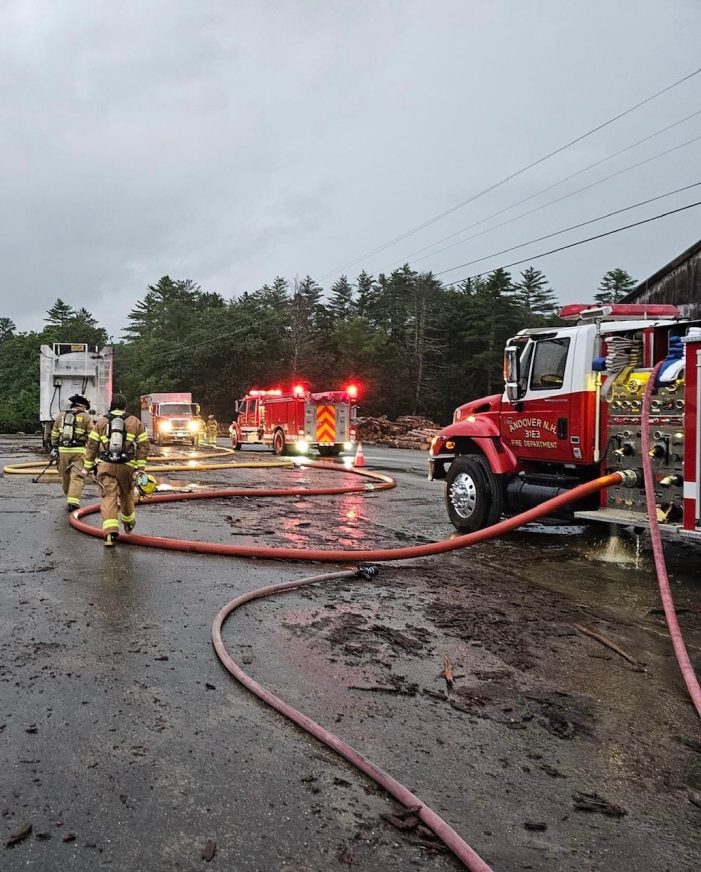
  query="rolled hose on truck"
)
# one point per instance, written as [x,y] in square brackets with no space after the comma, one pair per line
[470,859]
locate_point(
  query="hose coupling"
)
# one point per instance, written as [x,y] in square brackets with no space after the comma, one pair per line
[630,477]
[367,571]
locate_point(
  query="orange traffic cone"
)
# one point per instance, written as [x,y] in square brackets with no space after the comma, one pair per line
[359,456]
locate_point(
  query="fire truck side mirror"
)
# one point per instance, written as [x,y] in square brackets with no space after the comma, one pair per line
[512,373]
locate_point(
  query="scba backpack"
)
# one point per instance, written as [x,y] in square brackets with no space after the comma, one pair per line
[68,429]
[116,450]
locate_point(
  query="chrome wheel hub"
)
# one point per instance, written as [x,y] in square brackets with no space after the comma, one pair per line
[463,495]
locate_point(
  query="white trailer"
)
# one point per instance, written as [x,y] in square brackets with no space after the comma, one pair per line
[67,368]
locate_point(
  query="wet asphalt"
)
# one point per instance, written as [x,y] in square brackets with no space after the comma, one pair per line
[125,745]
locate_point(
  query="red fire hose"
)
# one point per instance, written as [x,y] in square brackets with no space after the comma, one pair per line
[334,556]
[451,839]
[680,652]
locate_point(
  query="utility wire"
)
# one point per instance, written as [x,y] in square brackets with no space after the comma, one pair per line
[567,229]
[412,255]
[570,194]
[513,175]
[580,242]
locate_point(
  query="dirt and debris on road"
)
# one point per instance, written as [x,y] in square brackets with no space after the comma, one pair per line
[124,745]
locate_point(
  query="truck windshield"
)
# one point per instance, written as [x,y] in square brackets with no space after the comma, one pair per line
[175,409]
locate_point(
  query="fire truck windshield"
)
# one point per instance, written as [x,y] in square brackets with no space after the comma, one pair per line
[175,409]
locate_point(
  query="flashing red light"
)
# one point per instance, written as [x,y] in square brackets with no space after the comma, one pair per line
[273,392]
[352,390]
[298,391]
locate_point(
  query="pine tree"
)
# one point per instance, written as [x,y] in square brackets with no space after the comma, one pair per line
[367,289]
[341,300]
[615,284]
[59,313]
[7,328]
[534,294]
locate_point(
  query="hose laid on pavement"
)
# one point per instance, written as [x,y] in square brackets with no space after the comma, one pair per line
[441,828]
[402,794]
[680,652]
[334,556]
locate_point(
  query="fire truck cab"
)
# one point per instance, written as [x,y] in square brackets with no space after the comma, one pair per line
[297,420]
[571,411]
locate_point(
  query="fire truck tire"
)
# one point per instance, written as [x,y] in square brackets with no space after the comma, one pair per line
[279,445]
[235,445]
[474,497]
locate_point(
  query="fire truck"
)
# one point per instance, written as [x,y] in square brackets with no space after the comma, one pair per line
[297,420]
[572,411]
[171,418]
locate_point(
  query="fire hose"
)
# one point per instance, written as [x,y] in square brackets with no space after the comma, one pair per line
[471,860]
[443,831]
[680,652]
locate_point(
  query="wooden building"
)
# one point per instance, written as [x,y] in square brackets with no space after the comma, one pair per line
[679,282]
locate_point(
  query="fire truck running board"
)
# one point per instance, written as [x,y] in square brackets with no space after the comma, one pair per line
[625,519]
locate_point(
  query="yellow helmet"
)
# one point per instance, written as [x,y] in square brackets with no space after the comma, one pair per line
[146,483]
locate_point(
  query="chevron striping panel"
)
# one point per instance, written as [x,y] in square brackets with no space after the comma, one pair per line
[326,424]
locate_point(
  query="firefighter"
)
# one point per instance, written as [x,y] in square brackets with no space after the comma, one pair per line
[212,430]
[118,446]
[68,437]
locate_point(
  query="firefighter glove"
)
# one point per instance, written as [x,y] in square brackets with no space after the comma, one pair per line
[53,454]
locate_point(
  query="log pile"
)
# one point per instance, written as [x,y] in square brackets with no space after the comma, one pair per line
[408,431]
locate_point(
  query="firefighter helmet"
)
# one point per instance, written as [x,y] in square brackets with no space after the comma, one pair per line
[145,483]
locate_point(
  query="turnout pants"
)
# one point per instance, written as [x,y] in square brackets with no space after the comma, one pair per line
[70,462]
[117,481]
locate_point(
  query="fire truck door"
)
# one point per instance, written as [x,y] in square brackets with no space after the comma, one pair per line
[537,427]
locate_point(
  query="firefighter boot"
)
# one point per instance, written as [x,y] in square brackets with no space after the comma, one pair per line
[110,539]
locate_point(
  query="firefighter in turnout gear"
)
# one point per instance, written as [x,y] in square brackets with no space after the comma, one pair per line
[68,439]
[212,430]
[118,446]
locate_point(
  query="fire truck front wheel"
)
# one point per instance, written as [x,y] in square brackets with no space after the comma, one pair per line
[279,444]
[474,497]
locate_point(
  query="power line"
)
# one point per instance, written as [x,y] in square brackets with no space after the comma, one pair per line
[567,229]
[580,242]
[572,193]
[513,175]
[412,255]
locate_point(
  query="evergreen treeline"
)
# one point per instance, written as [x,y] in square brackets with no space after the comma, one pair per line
[415,345]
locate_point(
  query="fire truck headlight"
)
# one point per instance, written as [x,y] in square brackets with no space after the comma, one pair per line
[347,446]
[302,446]
[193,426]
[166,426]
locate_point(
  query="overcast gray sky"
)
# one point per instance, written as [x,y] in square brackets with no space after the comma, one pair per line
[228,141]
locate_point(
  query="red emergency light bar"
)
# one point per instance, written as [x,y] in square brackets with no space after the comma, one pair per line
[273,392]
[298,391]
[620,310]
[352,391]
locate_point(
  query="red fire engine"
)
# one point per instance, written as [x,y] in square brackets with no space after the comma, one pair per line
[571,411]
[297,420]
